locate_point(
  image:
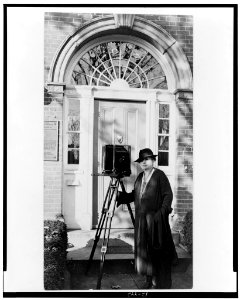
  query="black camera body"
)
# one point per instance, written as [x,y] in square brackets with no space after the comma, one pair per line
[116,160]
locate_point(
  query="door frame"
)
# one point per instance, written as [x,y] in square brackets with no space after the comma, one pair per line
[87,95]
[99,181]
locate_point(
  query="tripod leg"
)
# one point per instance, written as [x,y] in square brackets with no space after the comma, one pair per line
[107,230]
[131,213]
[100,273]
[100,226]
[96,239]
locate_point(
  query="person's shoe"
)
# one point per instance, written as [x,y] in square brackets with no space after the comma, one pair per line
[153,287]
[146,285]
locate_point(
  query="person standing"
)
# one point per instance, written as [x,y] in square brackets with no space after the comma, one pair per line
[154,249]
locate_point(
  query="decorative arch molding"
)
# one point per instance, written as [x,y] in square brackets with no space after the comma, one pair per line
[164,46]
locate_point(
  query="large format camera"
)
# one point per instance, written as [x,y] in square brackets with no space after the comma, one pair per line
[116,160]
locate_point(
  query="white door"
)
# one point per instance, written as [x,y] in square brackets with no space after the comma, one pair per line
[119,123]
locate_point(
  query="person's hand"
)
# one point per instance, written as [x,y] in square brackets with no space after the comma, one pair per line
[122,198]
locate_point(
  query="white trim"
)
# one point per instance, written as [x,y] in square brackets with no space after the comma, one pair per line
[79,171]
[82,173]
[123,20]
[132,94]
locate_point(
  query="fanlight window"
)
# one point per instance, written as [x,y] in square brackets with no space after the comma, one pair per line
[119,65]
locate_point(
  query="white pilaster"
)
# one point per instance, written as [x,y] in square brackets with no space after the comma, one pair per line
[151,121]
[78,178]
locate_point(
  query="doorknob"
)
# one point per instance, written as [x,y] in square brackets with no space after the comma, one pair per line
[120,139]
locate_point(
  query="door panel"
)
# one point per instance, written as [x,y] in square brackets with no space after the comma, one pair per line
[120,123]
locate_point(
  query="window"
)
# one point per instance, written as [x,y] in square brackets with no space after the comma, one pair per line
[73,131]
[163,135]
[119,63]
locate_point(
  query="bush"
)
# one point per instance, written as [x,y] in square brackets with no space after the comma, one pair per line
[55,254]
[187,231]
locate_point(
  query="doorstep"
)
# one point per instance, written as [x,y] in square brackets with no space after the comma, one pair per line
[81,242]
[120,247]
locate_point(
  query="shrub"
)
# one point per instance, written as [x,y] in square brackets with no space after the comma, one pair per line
[55,254]
[187,231]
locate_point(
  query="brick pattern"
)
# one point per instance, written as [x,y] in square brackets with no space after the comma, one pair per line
[53,111]
[184,168]
[52,189]
[58,26]
[180,28]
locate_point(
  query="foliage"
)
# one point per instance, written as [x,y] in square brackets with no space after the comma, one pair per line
[187,231]
[55,254]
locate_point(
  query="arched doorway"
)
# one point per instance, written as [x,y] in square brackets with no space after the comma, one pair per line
[167,49]
[117,75]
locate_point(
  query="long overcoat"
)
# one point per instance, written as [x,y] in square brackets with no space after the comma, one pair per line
[153,238]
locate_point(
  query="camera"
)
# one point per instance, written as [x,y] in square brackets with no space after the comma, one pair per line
[116,160]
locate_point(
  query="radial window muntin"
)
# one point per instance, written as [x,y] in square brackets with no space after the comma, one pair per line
[118,64]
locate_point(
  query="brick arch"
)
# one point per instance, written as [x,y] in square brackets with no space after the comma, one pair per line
[164,46]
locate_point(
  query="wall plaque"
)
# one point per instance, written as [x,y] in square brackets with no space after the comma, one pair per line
[51,140]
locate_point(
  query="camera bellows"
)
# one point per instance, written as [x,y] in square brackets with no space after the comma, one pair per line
[116,159]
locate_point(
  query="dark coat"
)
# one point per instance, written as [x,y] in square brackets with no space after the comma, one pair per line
[153,238]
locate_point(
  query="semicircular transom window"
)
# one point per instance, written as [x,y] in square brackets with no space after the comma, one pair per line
[119,64]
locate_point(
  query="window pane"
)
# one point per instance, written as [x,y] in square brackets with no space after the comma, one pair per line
[163,158]
[73,115]
[73,107]
[164,126]
[73,156]
[113,48]
[164,111]
[73,123]
[163,143]
[73,140]
[117,59]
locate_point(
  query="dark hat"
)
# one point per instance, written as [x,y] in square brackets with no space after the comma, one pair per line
[144,153]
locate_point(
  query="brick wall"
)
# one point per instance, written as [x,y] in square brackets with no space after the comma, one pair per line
[57,27]
[53,111]
[184,159]
[180,28]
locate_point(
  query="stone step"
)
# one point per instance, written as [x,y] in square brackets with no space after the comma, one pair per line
[122,262]
[121,241]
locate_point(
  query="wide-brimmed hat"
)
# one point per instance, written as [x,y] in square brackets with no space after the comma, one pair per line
[144,153]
